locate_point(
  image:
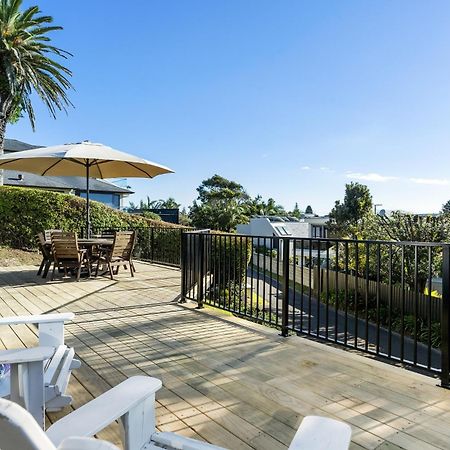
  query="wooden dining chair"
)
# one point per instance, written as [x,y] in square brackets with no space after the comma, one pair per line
[67,254]
[48,234]
[47,257]
[120,254]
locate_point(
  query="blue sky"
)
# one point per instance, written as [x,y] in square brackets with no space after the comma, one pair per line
[292,99]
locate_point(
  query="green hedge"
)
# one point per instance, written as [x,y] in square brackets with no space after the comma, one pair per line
[25,212]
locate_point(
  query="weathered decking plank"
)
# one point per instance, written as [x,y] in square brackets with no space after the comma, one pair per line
[225,380]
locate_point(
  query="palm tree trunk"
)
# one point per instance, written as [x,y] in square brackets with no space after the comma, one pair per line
[3,122]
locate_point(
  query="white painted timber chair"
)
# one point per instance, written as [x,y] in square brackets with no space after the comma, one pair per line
[57,361]
[133,402]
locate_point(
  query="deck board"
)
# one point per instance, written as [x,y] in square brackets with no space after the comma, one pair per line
[225,380]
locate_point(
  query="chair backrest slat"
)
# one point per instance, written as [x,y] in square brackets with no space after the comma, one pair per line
[43,247]
[65,245]
[123,244]
[48,234]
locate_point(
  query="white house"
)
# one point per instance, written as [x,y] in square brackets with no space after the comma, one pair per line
[309,226]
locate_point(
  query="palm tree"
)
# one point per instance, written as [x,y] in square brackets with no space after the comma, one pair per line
[27,67]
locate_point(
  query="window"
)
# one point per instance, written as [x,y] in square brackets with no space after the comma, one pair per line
[109,199]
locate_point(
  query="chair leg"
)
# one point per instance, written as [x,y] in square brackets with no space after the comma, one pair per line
[132,264]
[53,273]
[131,269]
[98,265]
[41,267]
[110,270]
[46,269]
[79,270]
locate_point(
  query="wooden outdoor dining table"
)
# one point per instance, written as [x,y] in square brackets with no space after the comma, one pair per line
[89,243]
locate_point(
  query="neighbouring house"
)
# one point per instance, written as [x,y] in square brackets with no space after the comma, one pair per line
[169,215]
[308,226]
[99,190]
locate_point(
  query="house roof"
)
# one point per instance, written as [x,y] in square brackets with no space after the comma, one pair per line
[12,178]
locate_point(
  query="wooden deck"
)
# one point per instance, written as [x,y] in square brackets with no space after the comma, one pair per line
[227,381]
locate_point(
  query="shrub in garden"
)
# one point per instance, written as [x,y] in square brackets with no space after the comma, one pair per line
[25,212]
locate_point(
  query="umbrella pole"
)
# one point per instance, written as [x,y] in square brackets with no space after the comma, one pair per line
[88,218]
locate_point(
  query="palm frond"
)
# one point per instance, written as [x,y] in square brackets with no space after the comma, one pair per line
[29,62]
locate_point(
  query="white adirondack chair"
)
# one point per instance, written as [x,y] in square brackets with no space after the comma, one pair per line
[57,367]
[133,401]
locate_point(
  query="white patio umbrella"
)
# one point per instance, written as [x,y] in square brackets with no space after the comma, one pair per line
[82,159]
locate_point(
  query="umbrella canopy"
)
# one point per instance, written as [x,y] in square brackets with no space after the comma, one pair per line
[82,159]
[72,160]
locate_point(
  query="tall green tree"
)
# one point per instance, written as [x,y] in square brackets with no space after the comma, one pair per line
[402,227]
[346,217]
[221,204]
[28,65]
[296,211]
[446,208]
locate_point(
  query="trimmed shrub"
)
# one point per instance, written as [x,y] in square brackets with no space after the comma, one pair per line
[25,212]
[230,256]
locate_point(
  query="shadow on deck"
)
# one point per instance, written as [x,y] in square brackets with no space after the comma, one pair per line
[227,381]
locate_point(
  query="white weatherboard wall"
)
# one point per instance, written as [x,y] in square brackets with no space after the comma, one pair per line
[262,226]
[259,226]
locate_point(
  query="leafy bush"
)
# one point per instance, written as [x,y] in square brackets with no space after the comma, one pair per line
[230,256]
[408,325]
[151,215]
[25,212]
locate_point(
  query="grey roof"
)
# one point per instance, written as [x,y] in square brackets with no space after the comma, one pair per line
[13,145]
[11,177]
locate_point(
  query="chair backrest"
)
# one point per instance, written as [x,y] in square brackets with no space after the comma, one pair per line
[318,433]
[48,234]
[19,430]
[65,245]
[43,247]
[123,244]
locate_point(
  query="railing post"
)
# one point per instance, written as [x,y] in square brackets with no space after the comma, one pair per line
[201,265]
[183,265]
[445,317]
[180,259]
[285,300]
[152,244]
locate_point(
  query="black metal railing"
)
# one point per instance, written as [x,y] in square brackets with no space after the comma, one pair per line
[375,296]
[154,244]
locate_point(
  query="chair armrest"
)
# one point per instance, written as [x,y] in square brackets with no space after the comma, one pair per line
[173,440]
[51,326]
[126,399]
[37,319]
[24,355]
[77,443]
[317,433]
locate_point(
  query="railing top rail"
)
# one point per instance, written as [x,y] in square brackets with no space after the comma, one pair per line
[332,240]
[204,231]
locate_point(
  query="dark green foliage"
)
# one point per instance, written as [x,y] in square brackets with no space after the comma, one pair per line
[159,243]
[347,216]
[309,210]
[25,212]
[258,207]
[147,204]
[446,207]
[351,301]
[230,257]
[296,212]
[401,227]
[221,205]
[151,215]
[29,62]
